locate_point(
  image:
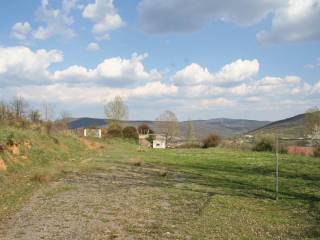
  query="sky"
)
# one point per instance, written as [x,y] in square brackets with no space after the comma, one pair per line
[249,59]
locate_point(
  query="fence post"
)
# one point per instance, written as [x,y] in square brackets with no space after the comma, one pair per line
[277,168]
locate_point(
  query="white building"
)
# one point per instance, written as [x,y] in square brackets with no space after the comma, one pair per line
[159,142]
[97,133]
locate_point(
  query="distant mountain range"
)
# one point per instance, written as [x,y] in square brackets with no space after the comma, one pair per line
[289,127]
[222,126]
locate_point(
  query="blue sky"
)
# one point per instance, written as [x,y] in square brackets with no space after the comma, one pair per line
[201,59]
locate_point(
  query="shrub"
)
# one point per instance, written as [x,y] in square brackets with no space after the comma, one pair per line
[316,151]
[130,132]
[213,140]
[49,127]
[264,144]
[283,150]
[115,130]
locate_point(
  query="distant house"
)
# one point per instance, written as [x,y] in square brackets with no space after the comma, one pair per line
[92,132]
[160,141]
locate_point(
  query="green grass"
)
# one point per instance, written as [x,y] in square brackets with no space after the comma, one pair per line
[212,193]
[238,190]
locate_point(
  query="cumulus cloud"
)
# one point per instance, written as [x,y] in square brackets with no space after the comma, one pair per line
[113,71]
[238,71]
[296,21]
[105,17]
[158,16]
[192,74]
[93,47]
[57,22]
[20,30]
[21,66]
[195,74]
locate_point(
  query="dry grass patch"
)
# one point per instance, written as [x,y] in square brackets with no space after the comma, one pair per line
[3,166]
[136,162]
[163,172]
[92,145]
[41,177]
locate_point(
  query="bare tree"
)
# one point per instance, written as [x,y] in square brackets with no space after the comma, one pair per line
[191,138]
[116,110]
[167,123]
[47,111]
[35,116]
[18,106]
[4,111]
[312,119]
[65,115]
[64,118]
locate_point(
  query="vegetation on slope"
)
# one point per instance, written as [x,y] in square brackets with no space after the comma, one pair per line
[33,158]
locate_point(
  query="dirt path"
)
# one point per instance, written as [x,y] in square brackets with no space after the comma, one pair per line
[126,202]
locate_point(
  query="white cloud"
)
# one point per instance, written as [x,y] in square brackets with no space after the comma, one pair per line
[279,81]
[237,71]
[113,72]
[296,21]
[267,86]
[104,14]
[192,75]
[83,94]
[57,21]
[221,102]
[316,88]
[93,46]
[20,30]
[313,65]
[158,16]
[21,66]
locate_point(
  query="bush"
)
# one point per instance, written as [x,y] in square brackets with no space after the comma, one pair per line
[213,140]
[316,151]
[264,144]
[115,130]
[130,133]
[283,150]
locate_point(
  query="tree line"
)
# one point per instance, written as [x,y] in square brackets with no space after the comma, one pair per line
[17,112]
[116,112]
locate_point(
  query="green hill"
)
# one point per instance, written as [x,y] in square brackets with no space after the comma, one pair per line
[289,127]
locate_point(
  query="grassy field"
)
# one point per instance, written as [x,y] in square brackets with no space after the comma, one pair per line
[160,194]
